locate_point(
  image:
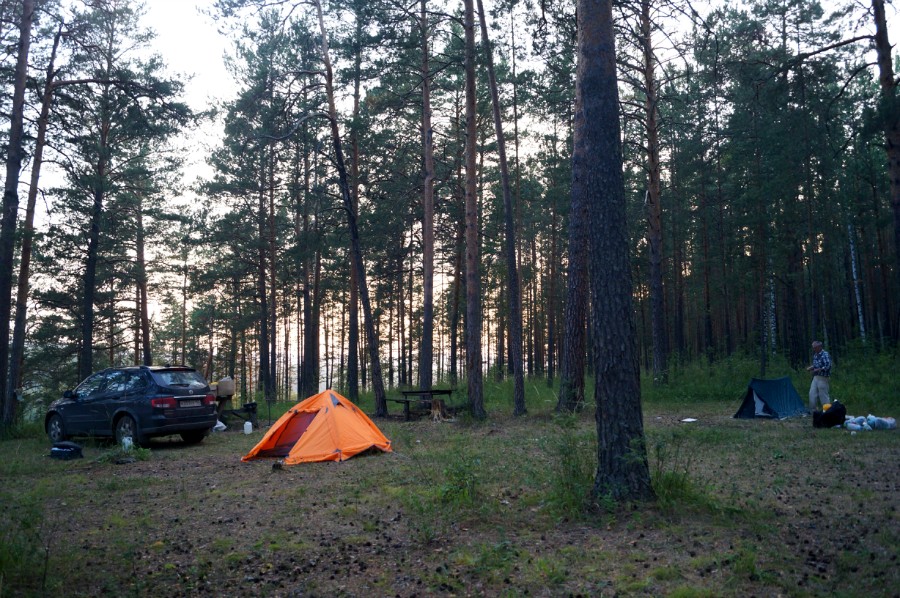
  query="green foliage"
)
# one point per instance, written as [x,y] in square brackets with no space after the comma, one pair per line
[462,484]
[28,541]
[699,381]
[861,378]
[573,455]
[33,430]
[866,381]
[118,454]
[672,474]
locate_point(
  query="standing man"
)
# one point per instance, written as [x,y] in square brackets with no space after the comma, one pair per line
[821,369]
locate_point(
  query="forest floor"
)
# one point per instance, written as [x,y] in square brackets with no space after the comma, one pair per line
[745,508]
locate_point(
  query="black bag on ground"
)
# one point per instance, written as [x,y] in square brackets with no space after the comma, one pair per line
[66,450]
[835,416]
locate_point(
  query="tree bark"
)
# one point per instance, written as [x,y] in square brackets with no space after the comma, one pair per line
[426,350]
[654,208]
[473,283]
[353,335]
[891,116]
[271,390]
[86,352]
[265,377]
[377,382]
[17,349]
[11,205]
[622,471]
[143,312]
[514,296]
[571,385]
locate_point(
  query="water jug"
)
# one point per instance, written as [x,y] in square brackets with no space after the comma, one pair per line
[248,427]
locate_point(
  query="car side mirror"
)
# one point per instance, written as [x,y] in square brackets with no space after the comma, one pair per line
[69,395]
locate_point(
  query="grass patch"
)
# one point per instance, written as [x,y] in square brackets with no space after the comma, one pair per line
[495,507]
[571,470]
[117,454]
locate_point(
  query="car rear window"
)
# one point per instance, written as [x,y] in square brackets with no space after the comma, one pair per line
[180,378]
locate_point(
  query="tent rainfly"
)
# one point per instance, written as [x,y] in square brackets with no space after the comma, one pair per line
[324,427]
[776,399]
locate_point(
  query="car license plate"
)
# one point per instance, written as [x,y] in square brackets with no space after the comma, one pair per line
[190,403]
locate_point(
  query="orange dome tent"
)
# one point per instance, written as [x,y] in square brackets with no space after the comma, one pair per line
[324,427]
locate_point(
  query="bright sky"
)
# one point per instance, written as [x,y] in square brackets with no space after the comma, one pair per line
[191,45]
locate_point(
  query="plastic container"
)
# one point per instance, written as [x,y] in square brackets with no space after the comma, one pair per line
[127,443]
[248,427]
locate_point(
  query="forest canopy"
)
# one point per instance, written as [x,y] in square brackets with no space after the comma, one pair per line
[761,163]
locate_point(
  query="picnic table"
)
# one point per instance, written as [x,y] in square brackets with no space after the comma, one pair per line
[420,398]
[247,412]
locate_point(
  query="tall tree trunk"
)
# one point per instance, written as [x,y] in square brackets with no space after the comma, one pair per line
[377,382]
[891,115]
[551,301]
[426,350]
[514,297]
[622,471]
[143,313]
[654,208]
[17,349]
[353,335]
[262,293]
[571,386]
[401,316]
[308,382]
[11,207]
[473,286]
[458,260]
[272,387]
[309,373]
[86,352]
[184,293]
[410,352]
[517,217]
[455,300]
[857,285]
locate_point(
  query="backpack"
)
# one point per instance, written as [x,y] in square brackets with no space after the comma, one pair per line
[835,416]
[66,450]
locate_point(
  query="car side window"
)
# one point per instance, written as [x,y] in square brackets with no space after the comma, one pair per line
[136,383]
[117,382]
[92,386]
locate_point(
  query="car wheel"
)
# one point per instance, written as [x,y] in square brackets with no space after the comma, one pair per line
[194,436]
[126,426]
[56,430]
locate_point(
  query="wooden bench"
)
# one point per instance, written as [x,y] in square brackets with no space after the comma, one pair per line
[421,398]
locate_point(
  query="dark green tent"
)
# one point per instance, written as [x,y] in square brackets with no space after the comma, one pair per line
[775,399]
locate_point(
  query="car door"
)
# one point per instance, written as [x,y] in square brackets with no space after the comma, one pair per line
[81,414]
[113,397]
[127,392]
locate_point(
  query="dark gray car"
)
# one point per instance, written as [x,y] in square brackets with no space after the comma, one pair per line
[140,402]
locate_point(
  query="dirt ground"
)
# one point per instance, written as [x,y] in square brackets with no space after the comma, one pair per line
[773,509]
